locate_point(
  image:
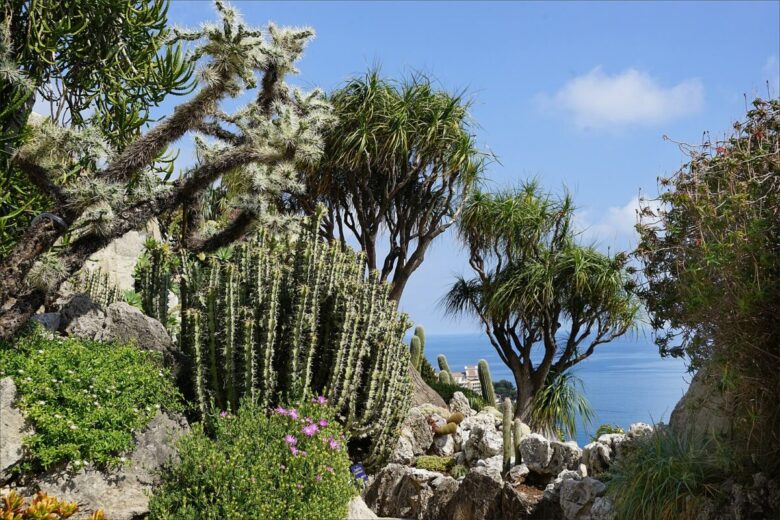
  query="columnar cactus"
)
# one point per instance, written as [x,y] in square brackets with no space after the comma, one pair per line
[517,436]
[419,332]
[443,366]
[415,351]
[285,318]
[486,382]
[507,432]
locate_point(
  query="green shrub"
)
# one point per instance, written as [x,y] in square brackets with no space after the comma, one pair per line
[84,398]
[664,477]
[459,470]
[447,391]
[434,463]
[606,428]
[259,466]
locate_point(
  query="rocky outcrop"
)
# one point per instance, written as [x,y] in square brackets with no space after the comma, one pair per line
[358,510]
[415,439]
[123,492]
[483,442]
[120,256]
[13,429]
[705,409]
[401,491]
[479,496]
[578,497]
[459,403]
[423,394]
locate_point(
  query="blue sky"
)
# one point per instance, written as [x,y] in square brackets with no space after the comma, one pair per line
[578,94]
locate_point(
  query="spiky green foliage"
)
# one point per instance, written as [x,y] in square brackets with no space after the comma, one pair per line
[153,278]
[557,406]
[507,413]
[415,352]
[283,317]
[486,382]
[517,436]
[402,158]
[98,285]
[533,280]
[665,477]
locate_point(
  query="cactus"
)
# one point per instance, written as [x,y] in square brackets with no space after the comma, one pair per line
[286,317]
[415,351]
[507,432]
[517,436]
[153,279]
[486,382]
[448,428]
[443,366]
[446,378]
[419,332]
[456,418]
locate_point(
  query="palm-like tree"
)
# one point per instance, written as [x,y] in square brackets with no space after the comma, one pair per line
[397,167]
[534,284]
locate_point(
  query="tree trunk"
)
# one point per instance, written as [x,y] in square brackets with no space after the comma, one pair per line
[525,396]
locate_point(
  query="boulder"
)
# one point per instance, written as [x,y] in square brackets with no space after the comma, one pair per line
[49,320]
[496,462]
[638,430]
[417,430]
[459,403]
[553,489]
[482,420]
[123,492]
[565,455]
[401,491]
[516,504]
[517,474]
[120,256]
[125,323]
[443,445]
[578,497]
[81,317]
[482,443]
[705,409]
[597,457]
[602,509]
[13,429]
[479,496]
[403,452]
[536,452]
[358,510]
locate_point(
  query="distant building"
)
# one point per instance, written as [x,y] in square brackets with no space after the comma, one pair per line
[469,378]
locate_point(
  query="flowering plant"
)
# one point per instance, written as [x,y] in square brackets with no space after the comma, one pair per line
[290,462]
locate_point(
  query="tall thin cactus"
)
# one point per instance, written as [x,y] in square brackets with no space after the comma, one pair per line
[486,382]
[506,430]
[284,318]
[443,365]
[415,351]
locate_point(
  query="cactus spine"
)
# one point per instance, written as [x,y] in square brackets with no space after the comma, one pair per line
[486,382]
[284,317]
[507,432]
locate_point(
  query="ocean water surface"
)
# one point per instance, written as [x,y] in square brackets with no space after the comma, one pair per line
[626,381]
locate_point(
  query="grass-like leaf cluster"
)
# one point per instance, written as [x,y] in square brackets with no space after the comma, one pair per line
[84,398]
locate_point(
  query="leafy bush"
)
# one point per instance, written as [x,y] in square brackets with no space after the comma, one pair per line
[434,463]
[84,398]
[289,464]
[606,428]
[459,470]
[556,406]
[664,477]
[446,392]
[42,507]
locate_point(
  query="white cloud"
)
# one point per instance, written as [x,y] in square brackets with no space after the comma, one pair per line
[597,99]
[771,73]
[614,229]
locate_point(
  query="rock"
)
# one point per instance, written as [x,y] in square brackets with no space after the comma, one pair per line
[597,457]
[637,430]
[705,409]
[496,462]
[479,496]
[404,452]
[417,430]
[81,317]
[358,510]
[459,403]
[483,443]
[516,505]
[459,458]
[482,420]
[430,409]
[125,323]
[435,420]
[443,445]
[49,320]
[401,491]
[536,453]
[118,259]
[498,417]
[553,489]
[602,509]
[13,429]
[423,394]
[123,493]
[517,474]
[579,496]
[566,455]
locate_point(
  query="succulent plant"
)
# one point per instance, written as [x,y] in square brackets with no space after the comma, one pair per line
[486,382]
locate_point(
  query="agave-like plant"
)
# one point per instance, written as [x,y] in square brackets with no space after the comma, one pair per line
[558,405]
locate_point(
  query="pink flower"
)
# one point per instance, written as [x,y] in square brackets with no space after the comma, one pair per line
[318,478]
[303,453]
[308,420]
[279,410]
[329,469]
[291,440]
[320,399]
[223,413]
[293,450]
[333,444]
[323,423]
[293,414]
[310,430]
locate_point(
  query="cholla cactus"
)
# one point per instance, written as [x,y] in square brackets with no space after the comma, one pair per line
[486,382]
[285,317]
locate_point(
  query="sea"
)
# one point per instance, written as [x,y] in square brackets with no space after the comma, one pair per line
[626,381]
